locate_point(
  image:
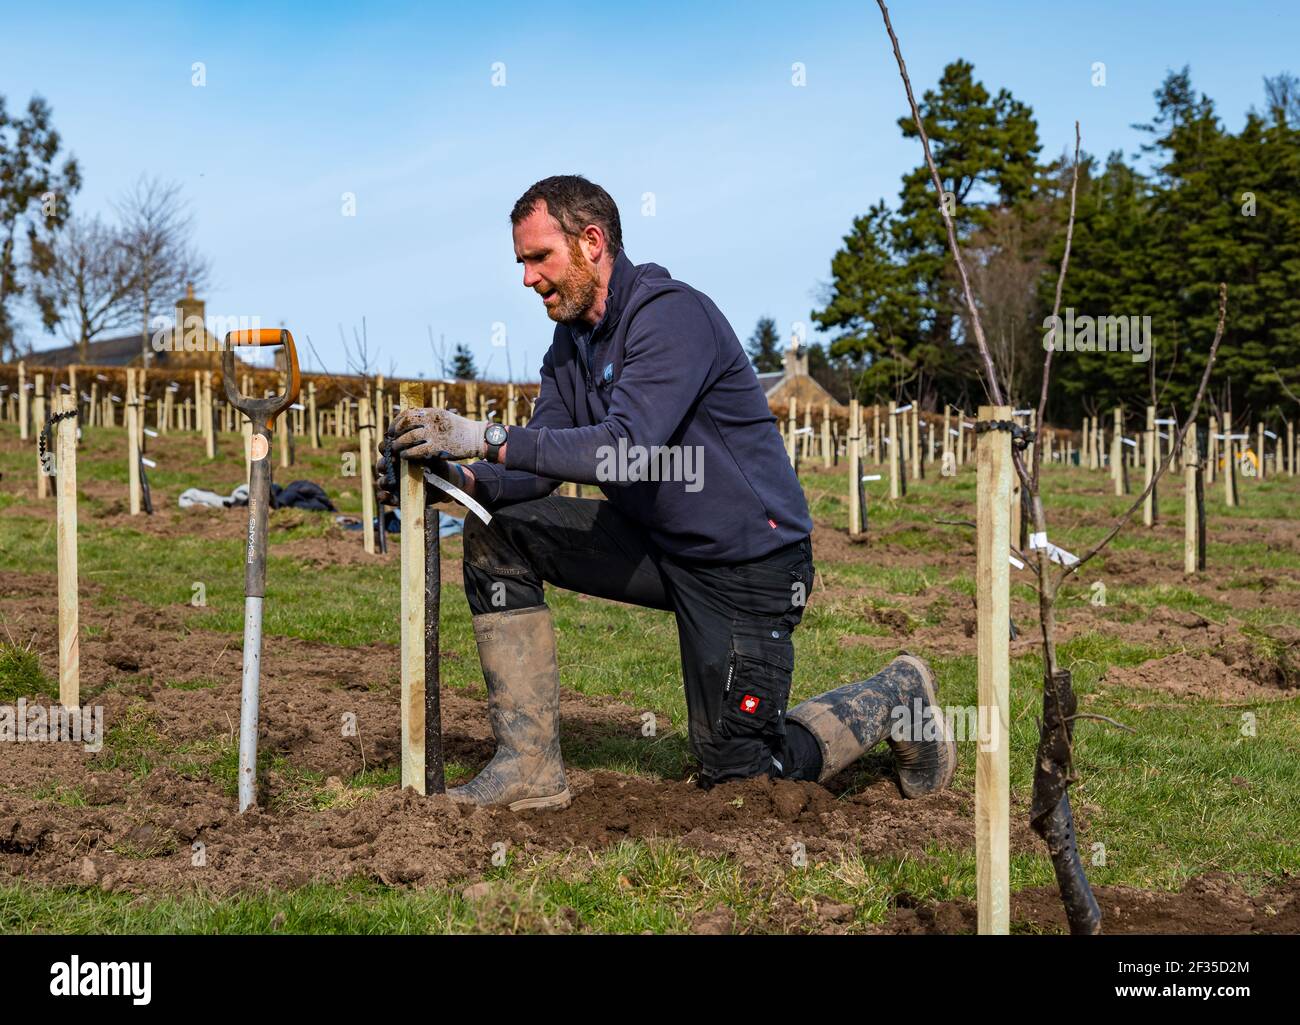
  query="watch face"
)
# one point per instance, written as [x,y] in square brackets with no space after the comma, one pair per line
[495,434]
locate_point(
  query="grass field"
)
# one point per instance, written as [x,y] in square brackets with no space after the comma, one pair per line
[1187,792]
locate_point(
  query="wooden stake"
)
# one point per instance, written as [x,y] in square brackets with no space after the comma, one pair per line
[1260,448]
[1117,452]
[367,479]
[311,414]
[1229,463]
[435,776]
[414,678]
[209,423]
[1149,468]
[133,443]
[894,488]
[23,417]
[826,436]
[790,437]
[38,412]
[855,467]
[915,448]
[1212,443]
[65,453]
[993,605]
[1191,516]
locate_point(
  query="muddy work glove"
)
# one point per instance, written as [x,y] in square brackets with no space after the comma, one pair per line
[389,486]
[435,433]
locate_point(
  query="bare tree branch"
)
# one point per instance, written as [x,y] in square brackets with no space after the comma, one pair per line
[1056,311]
[991,385]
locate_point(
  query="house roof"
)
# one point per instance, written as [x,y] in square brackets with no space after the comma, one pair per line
[109,352]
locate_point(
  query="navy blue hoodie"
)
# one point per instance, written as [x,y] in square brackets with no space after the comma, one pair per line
[662,368]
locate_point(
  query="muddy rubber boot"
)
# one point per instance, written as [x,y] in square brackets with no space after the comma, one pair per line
[849,721]
[517,650]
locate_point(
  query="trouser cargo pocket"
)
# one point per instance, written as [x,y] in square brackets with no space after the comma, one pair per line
[750,726]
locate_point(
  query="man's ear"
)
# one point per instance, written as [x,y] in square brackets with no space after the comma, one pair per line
[593,243]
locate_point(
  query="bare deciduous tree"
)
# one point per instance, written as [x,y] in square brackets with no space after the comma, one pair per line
[87,287]
[156,231]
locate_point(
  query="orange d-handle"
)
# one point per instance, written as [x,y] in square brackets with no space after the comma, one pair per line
[267,409]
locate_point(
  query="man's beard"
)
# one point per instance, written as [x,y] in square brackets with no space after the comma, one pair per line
[578,288]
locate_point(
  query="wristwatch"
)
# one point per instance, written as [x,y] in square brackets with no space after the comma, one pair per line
[494,437]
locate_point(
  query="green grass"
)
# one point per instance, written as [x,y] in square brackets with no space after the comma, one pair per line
[20,673]
[1185,792]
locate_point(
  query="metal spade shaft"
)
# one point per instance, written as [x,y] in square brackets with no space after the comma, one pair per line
[259,499]
[261,414]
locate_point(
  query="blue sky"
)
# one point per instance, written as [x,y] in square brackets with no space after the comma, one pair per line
[754,180]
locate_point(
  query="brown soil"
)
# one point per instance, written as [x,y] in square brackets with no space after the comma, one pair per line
[1213,903]
[136,832]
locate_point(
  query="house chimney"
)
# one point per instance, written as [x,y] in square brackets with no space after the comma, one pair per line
[188,309]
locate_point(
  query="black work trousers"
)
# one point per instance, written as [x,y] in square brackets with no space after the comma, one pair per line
[734,621]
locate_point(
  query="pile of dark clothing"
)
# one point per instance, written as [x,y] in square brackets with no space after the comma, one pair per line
[298,494]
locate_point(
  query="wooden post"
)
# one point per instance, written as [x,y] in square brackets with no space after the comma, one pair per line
[826,435]
[855,467]
[1191,515]
[1229,463]
[894,489]
[367,478]
[1259,449]
[1149,468]
[38,412]
[132,443]
[94,403]
[1212,454]
[209,424]
[141,400]
[435,775]
[791,438]
[283,429]
[993,605]
[23,416]
[311,413]
[929,440]
[915,448]
[876,430]
[413,608]
[947,431]
[1290,449]
[377,410]
[512,412]
[1117,452]
[65,453]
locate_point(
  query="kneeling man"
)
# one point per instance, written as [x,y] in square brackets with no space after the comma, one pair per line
[647,393]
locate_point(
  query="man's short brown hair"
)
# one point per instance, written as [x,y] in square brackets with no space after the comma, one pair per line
[574,202]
